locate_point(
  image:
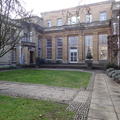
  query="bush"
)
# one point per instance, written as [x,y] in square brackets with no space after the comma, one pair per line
[114,74]
[111,65]
[40,61]
[111,73]
[109,70]
[12,67]
[117,76]
[59,62]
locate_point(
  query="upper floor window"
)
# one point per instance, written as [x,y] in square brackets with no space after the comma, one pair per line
[72,20]
[89,18]
[103,16]
[59,22]
[49,24]
[27,37]
[115,28]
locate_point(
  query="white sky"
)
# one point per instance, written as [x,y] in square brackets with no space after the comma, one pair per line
[39,6]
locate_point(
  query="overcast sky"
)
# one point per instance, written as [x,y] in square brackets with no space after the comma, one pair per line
[39,6]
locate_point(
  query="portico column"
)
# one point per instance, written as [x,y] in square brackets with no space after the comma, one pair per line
[80,47]
[65,49]
[95,46]
[53,48]
[44,48]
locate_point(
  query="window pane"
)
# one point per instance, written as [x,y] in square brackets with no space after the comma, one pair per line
[49,53]
[49,43]
[103,47]
[59,22]
[59,48]
[59,42]
[72,20]
[49,24]
[49,49]
[103,16]
[88,44]
[73,41]
[88,18]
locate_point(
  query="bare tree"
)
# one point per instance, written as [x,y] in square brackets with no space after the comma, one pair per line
[76,13]
[12,14]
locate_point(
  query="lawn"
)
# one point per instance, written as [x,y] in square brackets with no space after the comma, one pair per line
[71,79]
[29,109]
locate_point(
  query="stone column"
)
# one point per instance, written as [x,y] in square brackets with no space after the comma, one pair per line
[80,48]
[65,49]
[44,48]
[95,47]
[53,48]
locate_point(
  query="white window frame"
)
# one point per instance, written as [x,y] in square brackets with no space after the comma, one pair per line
[88,18]
[59,22]
[103,16]
[49,23]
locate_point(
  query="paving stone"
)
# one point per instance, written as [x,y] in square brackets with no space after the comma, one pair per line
[107,102]
[92,119]
[102,115]
[102,107]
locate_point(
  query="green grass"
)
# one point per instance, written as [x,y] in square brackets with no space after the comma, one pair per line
[71,79]
[29,109]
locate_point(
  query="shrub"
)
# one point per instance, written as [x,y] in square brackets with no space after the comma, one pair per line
[111,65]
[40,61]
[59,62]
[117,76]
[12,67]
[109,70]
[110,73]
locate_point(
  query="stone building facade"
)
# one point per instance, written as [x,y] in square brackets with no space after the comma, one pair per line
[66,35]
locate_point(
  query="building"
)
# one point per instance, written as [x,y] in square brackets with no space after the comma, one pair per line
[66,35]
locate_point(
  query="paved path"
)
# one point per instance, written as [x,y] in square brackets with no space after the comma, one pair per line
[105,103]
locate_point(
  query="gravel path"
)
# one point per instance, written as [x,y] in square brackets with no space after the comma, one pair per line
[38,91]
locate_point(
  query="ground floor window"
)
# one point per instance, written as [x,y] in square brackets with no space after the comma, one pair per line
[49,48]
[88,44]
[13,55]
[103,50]
[59,49]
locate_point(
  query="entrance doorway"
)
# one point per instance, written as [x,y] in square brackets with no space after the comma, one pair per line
[73,57]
